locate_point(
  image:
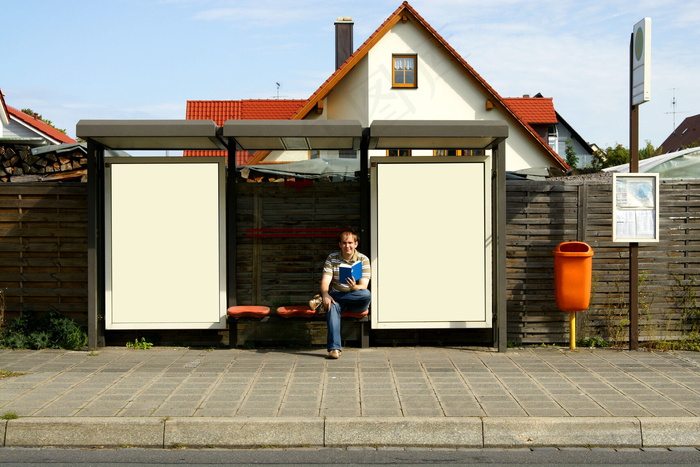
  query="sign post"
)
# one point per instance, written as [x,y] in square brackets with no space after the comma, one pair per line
[640,84]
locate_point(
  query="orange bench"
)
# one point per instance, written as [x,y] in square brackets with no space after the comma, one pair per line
[262,314]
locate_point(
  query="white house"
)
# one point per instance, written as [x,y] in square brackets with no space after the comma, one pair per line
[404,71]
[16,127]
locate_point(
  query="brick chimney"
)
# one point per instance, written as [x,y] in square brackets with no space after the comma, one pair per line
[343,40]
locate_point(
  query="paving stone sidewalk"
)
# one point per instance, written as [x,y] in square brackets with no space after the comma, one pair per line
[403,383]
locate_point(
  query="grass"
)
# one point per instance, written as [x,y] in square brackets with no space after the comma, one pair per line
[9,416]
[9,374]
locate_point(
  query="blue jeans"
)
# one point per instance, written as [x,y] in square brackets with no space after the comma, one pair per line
[357,301]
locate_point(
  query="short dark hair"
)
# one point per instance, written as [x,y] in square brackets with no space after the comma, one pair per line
[348,232]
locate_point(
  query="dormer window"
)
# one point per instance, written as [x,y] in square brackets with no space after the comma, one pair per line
[405,72]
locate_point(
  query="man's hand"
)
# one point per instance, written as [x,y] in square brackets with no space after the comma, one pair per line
[327,301]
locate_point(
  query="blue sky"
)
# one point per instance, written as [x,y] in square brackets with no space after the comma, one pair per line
[127,59]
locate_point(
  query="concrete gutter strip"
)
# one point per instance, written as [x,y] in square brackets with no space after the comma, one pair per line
[470,432]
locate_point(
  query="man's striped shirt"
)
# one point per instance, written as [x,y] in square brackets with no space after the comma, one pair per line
[332,265]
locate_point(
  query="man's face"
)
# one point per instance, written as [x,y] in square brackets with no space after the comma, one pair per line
[348,245]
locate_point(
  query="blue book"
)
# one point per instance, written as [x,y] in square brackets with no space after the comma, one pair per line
[350,270]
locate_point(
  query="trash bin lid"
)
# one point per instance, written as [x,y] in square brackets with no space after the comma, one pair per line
[574,249]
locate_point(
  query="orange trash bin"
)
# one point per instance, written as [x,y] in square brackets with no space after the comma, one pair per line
[573,269]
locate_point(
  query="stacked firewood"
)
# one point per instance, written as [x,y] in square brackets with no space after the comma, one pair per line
[18,164]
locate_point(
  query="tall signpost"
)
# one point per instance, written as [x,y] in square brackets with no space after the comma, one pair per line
[640,83]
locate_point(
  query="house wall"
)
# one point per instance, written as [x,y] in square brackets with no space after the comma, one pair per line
[584,159]
[14,129]
[444,92]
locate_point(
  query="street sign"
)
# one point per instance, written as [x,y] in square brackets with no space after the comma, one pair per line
[641,62]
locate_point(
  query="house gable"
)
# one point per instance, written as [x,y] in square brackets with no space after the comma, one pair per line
[22,125]
[4,115]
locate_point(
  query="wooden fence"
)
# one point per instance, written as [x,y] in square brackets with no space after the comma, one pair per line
[286,269]
[43,248]
[43,252]
[540,215]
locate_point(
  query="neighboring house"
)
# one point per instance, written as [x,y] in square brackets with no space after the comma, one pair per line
[406,71]
[685,136]
[31,150]
[249,109]
[539,113]
[19,128]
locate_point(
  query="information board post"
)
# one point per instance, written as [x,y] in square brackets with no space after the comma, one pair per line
[640,72]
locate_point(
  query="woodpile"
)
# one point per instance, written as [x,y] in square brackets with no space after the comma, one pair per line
[18,164]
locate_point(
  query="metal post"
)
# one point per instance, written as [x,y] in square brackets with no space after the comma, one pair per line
[95,254]
[499,245]
[231,246]
[633,247]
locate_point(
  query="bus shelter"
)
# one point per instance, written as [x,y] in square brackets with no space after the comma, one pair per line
[185,224]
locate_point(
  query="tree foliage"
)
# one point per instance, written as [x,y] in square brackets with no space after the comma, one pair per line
[33,114]
[618,155]
[571,157]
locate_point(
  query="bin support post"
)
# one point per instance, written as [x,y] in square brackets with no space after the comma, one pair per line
[572,330]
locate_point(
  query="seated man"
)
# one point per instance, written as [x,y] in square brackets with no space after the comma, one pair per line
[338,296]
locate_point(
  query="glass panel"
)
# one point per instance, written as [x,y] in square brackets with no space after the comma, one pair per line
[409,77]
[409,63]
[398,77]
[398,64]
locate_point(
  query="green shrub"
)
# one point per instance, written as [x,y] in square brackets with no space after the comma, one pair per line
[50,331]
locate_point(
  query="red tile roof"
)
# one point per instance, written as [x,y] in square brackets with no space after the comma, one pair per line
[248,109]
[533,110]
[40,126]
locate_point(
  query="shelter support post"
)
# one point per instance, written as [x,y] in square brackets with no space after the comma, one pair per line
[498,182]
[231,245]
[365,198]
[96,266]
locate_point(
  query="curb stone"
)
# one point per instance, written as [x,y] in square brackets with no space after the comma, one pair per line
[354,432]
[572,432]
[670,432]
[424,432]
[84,432]
[254,432]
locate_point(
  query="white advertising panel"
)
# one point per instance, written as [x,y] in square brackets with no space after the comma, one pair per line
[431,248]
[165,244]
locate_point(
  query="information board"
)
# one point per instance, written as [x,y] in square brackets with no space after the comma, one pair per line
[636,207]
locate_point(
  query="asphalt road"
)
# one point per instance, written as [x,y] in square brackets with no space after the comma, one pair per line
[360,456]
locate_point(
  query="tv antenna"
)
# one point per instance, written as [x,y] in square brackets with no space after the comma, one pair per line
[674,111]
[278,91]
